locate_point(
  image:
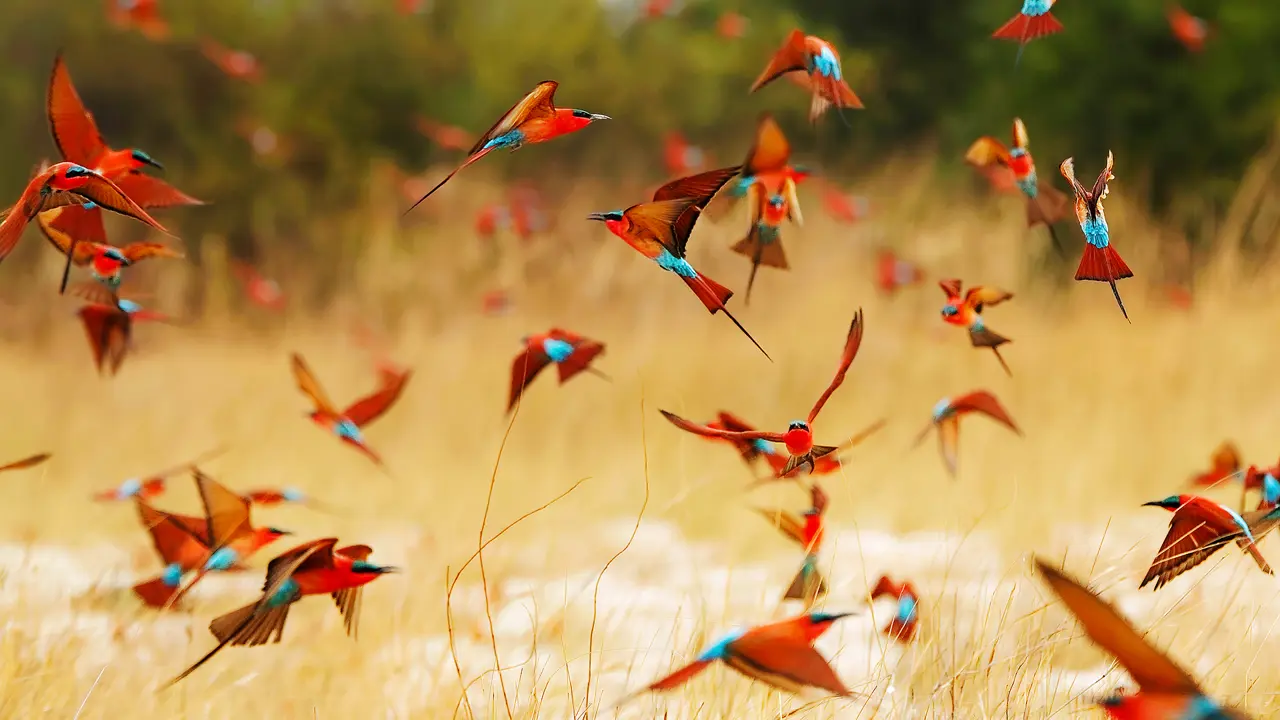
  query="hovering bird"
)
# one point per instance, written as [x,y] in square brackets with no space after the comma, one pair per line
[76,134]
[229,532]
[819,63]
[946,418]
[825,465]
[58,186]
[1045,204]
[571,353]
[1100,262]
[313,568]
[806,530]
[142,15]
[799,435]
[907,616]
[1224,463]
[660,231]
[235,64]
[534,119]
[1165,691]
[348,423]
[894,273]
[682,158]
[108,325]
[1199,528]
[770,182]
[448,137]
[152,485]
[1191,31]
[25,463]
[276,496]
[966,312]
[779,654]
[258,288]
[1034,21]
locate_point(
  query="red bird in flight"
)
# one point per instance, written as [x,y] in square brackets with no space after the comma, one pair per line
[799,435]
[1034,21]
[1100,261]
[569,352]
[347,424]
[1199,528]
[966,312]
[906,617]
[108,325]
[1191,31]
[806,530]
[818,62]
[534,119]
[771,194]
[946,418]
[151,485]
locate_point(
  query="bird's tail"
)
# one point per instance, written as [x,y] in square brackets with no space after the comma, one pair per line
[762,251]
[808,583]
[156,592]
[224,626]
[1103,264]
[1252,548]
[1025,28]
[712,294]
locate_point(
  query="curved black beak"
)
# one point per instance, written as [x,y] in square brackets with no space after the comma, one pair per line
[598,216]
[1153,503]
[153,163]
[595,117]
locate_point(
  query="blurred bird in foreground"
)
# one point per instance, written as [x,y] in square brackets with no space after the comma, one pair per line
[819,63]
[235,64]
[108,325]
[1034,21]
[181,542]
[153,484]
[1100,261]
[808,584]
[894,273]
[966,312]
[27,462]
[569,352]
[660,231]
[347,424]
[1191,31]
[946,419]
[906,616]
[1045,204]
[314,568]
[799,435]
[770,182]
[1199,528]
[258,288]
[61,185]
[779,654]
[534,119]
[141,15]
[1165,691]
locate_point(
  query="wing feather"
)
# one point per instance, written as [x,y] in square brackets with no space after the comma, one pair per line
[538,103]
[524,369]
[790,57]
[771,151]
[711,432]
[851,344]
[72,125]
[310,387]
[370,408]
[982,401]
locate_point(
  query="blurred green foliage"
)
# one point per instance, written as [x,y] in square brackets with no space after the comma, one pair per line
[345,81]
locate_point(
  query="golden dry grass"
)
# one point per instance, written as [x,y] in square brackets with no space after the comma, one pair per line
[1114,415]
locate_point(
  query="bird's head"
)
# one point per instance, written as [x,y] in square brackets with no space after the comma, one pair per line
[74,171]
[615,220]
[361,566]
[798,425]
[270,533]
[1173,502]
[571,120]
[114,253]
[142,158]
[950,310]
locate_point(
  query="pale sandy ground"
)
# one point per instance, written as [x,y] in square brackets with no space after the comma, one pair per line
[1114,415]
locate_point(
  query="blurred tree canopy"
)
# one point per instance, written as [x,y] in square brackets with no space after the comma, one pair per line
[345,81]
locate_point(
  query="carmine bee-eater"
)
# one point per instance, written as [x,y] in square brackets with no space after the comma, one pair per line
[946,418]
[660,231]
[534,119]
[314,568]
[76,134]
[144,15]
[1045,204]
[819,62]
[181,541]
[58,186]
[799,435]
[1165,691]
[1100,262]
[894,273]
[571,353]
[770,182]
[152,485]
[906,617]
[1188,29]
[806,530]
[966,312]
[1223,463]
[27,462]
[235,64]
[277,496]
[779,654]
[230,535]
[108,325]
[347,425]
[825,465]
[1199,528]
[1034,21]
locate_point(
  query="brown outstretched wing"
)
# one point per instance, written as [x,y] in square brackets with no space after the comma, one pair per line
[134,252]
[987,151]
[787,523]
[981,401]
[27,462]
[227,512]
[1189,542]
[538,103]
[851,344]
[524,369]
[152,192]
[784,662]
[310,387]
[73,128]
[703,430]
[771,150]
[701,188]
[789,57]
[370,408]
[61,238]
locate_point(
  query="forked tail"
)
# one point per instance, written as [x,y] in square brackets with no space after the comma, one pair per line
[1103,264]
[761,253]
[1025,28]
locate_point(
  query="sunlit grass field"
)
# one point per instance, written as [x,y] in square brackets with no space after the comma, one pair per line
[1113,414]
